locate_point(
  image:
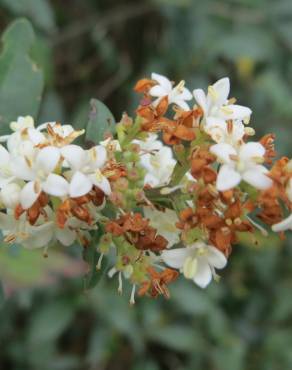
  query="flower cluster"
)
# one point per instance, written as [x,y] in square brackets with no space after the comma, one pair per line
[170,192]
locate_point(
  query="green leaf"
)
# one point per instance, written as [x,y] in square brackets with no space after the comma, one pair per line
[101,121]
[180,338]
[49,322]
[91,256]
[21,82]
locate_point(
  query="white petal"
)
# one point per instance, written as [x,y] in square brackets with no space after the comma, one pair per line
[40,236]
[227,178]
[223,152]
[29,195]
[65,236]
[56,185]
[175,258]
[21,169]
[186,94]
[4,155]
[158,91]
[181,103]
[79,185]
[201,99]
[204,275]
[101,182]
[284,225]
[151,180]
[251,150]
[10,195]
[97,156]
[257,178]
[215,122]
[222,88]
[233,111]
[216,258]
[47,159]
[36,136]
[74,155]
[163,81]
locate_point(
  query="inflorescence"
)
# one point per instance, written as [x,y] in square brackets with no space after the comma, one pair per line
[168,194]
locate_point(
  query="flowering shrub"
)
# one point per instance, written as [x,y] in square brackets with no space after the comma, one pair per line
[165,193]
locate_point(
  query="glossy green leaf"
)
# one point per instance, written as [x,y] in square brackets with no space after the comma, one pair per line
[21,81]
[101,122]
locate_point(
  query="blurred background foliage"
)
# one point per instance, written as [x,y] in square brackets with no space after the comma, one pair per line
[99,48]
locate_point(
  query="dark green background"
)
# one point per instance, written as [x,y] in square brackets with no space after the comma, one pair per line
[99,49]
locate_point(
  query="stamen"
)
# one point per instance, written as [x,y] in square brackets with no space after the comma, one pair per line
[112,272]
[259,227]
[180,86]
[132,298]
[120,287]
[98,266]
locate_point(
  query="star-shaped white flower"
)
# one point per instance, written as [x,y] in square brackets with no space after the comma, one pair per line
[197,262]
[223,132]
[159,166]
[39,172]
[215,104]
[85,169]
[164,222]
[243,163]
[176,95]
[35,236]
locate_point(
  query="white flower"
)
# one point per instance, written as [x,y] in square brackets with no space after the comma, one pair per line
[59,135]
[150,144]
[20,231]
[111,145]
[197,262]
[215,104]
[164,222]
[24,130]
[222,132]
[38,171]
[85,166]
[177,95]
[22,123]
[159,167]
[156,159]
[243,163]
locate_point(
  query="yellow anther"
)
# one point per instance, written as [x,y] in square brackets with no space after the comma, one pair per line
[180,86]
[212,92]
[237,221]
[225,109]
[228,222]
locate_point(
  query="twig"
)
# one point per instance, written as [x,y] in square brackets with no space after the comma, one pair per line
[120,14]
[116,80]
